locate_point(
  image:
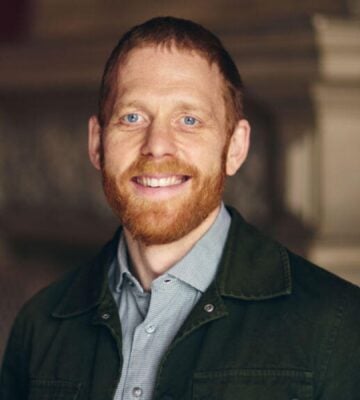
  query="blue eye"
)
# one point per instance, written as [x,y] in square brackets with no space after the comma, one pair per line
[132,118]
[191,121]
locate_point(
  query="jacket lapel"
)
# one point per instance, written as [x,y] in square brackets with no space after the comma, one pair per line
[253,267]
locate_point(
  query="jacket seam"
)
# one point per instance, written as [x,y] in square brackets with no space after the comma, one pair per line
[332,339]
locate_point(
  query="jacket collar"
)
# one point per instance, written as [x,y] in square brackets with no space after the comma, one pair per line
[253,267]
[88,286]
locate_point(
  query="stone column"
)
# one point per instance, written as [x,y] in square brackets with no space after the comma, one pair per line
[337,110]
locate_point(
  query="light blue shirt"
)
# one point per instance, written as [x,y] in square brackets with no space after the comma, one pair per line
[150,320]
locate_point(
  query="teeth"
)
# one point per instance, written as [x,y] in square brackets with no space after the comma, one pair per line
[161,182]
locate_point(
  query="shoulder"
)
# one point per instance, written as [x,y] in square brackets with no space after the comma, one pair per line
[40,306]
[317,280]
[268,260]
[323,292]
[77,292]
[329,307]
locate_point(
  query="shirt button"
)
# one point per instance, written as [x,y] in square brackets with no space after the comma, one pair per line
[105,316]
[150,329]
[209,308]
[137,392]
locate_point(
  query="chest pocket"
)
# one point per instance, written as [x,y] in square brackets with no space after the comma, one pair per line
[253,384]
[54,390]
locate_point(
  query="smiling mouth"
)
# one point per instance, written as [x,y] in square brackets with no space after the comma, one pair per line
[162,182]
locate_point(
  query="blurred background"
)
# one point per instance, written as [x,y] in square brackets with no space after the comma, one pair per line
[300,61]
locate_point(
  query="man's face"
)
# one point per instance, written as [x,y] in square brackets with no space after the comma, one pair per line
[165,149]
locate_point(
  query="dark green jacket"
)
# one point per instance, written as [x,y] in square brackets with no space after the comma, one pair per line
[280,329]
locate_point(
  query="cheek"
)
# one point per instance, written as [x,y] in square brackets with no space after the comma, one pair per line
[119,154]
[115,163]
[207,161]
[205,148]
[213,155]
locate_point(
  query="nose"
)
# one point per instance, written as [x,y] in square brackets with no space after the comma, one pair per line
[158,141]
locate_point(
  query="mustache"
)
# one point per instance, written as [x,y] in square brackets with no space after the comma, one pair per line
[173,166]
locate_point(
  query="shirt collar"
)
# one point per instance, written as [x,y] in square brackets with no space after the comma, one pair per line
[197,268]
[120,268]
[253,267]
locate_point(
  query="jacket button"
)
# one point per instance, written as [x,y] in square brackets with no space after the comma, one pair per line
[209,308]
[137,392]
[105,316]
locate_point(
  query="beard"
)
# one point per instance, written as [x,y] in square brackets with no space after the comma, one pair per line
[155,222]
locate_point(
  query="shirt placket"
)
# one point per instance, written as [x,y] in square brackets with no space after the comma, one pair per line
[145,339]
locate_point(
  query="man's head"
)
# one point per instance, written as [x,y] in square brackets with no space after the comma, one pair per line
[166,135]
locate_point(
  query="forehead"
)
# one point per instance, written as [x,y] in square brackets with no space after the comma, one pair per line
[162,68]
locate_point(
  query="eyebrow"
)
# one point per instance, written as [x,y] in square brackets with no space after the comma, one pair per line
[134,103]
[190,106]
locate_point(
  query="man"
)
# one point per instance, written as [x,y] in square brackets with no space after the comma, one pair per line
[187,301]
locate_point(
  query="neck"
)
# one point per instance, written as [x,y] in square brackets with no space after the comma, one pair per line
[149,262]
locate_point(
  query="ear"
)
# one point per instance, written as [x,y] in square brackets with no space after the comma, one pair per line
[94,141]
[238,147]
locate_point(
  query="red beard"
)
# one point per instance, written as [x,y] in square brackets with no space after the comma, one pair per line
[163,221]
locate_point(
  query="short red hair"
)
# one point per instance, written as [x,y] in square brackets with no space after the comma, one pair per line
[184,35]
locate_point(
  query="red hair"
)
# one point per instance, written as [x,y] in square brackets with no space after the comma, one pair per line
[184,35]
